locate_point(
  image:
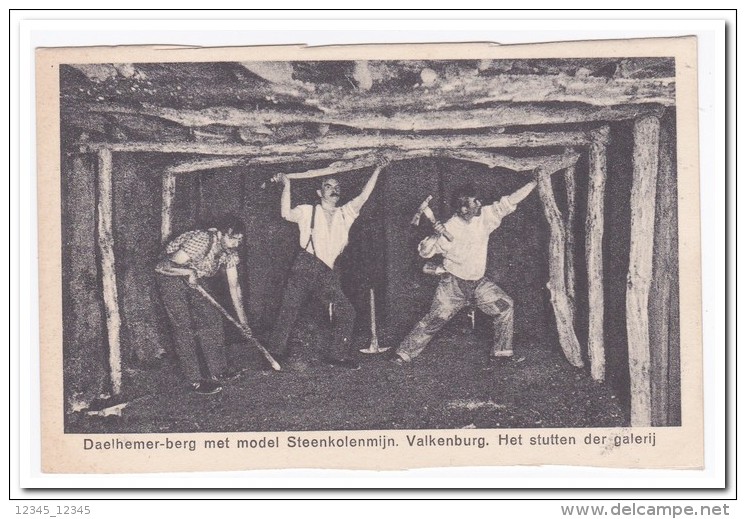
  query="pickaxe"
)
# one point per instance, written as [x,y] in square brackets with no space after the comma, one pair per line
[374,347]
[425,209]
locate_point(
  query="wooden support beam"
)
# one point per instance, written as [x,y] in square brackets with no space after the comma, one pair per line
[200,202]
[191,166]
[496,160]
[520,164]
[665,255]
[558,162]
[602,135]
[336,167]
[646,135]
[108,270]
[594,233]
[500,115]
[558,291]
[489,159]
[504,161]
[168,191]
[674,344]
[356,142]
[407,118]
[570,189]
[359,163]
[203,164]
[520,89]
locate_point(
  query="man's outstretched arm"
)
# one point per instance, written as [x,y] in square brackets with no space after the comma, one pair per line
[285,210]
[506,205]
[234,287]
[358,202]
[518,196]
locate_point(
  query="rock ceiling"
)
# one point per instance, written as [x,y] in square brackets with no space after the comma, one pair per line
[293,108]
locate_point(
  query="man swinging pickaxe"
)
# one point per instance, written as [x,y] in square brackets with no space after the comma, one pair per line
[424,209]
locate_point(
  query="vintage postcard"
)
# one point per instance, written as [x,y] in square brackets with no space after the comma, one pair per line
[377,257]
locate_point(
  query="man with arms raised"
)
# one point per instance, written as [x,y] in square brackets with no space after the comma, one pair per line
[324,230]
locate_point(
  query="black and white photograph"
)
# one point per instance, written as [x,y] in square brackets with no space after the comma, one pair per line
[379,257]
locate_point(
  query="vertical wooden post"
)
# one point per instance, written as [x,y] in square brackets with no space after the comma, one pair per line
[560,301]
[594,233]
[673,411]
[169,191]
[570,234]
[86,377]
[642,202]
[108,270]
[199,214]
[664,269]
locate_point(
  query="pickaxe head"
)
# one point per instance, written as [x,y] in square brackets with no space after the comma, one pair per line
[423,206]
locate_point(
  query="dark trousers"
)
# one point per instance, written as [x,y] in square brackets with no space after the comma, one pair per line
[311,277]
[196,327]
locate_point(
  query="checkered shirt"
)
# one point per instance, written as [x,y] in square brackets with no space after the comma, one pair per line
[205,251]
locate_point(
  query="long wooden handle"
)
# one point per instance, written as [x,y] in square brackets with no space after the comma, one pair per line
[448,235]
[373,333]
[431,216]
[275,365]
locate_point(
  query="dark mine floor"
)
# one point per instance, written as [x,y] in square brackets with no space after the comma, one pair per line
[452,385]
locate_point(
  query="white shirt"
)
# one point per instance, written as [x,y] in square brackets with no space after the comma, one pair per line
[466,256]
[330,235]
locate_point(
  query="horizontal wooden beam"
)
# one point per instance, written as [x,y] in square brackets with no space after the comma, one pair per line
[232,162]
[500,115]
[551,163]
[466,90]
[336,168]
[352,142]
[492,160]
